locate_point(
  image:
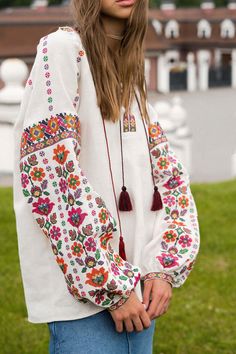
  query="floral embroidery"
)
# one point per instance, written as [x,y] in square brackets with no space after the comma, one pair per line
[71,215]
[179,242]
[98,277]
[46,138]
[129,123]
[154,275]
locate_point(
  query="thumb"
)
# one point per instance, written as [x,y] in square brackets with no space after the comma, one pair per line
[146,293]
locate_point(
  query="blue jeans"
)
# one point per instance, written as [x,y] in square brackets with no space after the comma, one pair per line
[97,334]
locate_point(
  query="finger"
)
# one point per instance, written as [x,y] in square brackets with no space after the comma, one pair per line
[147,292]
[156,298]
[137,323]
[145,319]
[165,308]
[129,325]
[119,326]
[161,306]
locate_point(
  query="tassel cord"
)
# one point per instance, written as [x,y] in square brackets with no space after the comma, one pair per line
[157,202]
[121,241]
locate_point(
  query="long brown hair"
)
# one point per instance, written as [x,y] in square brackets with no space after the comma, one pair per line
[110,69]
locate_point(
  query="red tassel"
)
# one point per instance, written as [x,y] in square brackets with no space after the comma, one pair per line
[122,248]
[124,200]
[157,202]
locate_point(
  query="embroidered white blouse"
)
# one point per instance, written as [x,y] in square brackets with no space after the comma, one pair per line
[66,218]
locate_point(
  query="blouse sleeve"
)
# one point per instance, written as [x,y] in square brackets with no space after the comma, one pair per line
[66,208]
[174,245]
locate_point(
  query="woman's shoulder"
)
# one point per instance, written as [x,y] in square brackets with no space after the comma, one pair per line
[63,38]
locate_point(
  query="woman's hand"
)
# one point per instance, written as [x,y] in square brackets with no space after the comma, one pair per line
[156,296]
[132,314]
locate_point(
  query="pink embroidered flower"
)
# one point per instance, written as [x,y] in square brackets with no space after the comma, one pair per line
[55,233]
[129,273]
[169,200]
[99,298]
[43,206]
[24,180]
[76,217]
[173,182]
[115,269]
[90,261]
[185,241]
[63,185]
[90,244]
[168,260]
[36,191]
[173,250]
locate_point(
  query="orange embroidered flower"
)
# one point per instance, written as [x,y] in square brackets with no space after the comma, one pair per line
[36,132]
[73,181]
[118,260]
[53,126]
[170,236]
[97,277]
[60,154]
[154,130]
[104,239]
[163,163]
[183,202]
[81,53]
[103,216]
[77,249]
[24,139]
[70,121]
[62,265]
[37,174]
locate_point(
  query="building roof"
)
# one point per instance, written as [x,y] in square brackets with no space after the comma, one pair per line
[21,28]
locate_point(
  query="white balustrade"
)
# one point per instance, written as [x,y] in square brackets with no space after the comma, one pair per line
[13,73]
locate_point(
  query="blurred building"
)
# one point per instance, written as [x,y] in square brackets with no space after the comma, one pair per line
[186,48]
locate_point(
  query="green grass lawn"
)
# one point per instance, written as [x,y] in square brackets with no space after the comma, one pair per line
[202,315]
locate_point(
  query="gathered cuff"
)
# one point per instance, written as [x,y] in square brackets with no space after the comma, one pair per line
[159,275]
[119,303]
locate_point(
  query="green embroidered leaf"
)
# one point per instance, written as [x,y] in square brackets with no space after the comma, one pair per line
[46,193]
[84,270]
[64,198]
[183,251]
[59,244]
[78,203]
[122,277]
[26,193]
[97,254]
[167,210]
[106,302]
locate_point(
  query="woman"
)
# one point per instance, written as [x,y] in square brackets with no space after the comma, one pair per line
[97,188]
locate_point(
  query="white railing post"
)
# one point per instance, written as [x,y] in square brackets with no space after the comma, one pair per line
[203,69]
[13,72]
[191,73]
